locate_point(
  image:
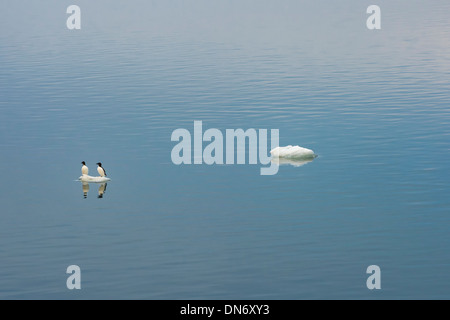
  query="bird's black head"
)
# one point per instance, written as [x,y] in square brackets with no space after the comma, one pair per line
[83,163]
[99,164]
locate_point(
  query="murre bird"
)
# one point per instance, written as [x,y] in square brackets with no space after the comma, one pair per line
[101,170]
[84,169]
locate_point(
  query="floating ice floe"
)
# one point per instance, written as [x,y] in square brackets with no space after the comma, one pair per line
[292,155]
[292,152]
[86,178]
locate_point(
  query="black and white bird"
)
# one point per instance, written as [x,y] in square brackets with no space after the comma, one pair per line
[84,169]
[101,170]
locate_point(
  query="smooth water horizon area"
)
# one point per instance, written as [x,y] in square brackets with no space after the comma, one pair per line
[372,104]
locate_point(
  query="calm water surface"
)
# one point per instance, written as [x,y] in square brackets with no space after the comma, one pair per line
[373,105]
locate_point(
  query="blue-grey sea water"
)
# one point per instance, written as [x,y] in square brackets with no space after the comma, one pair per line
[373,104]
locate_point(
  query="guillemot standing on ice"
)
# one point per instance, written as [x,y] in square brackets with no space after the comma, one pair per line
[84,169]
[101,170]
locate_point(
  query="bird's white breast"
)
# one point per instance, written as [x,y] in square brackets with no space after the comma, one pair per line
[85,170]
[101,172]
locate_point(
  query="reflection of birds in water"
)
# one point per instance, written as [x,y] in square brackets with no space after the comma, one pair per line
[85,186]
[102,190]
[84,169]
[101,170]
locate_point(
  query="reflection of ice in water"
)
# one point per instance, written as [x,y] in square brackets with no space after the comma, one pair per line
[292,162]
[101,189]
